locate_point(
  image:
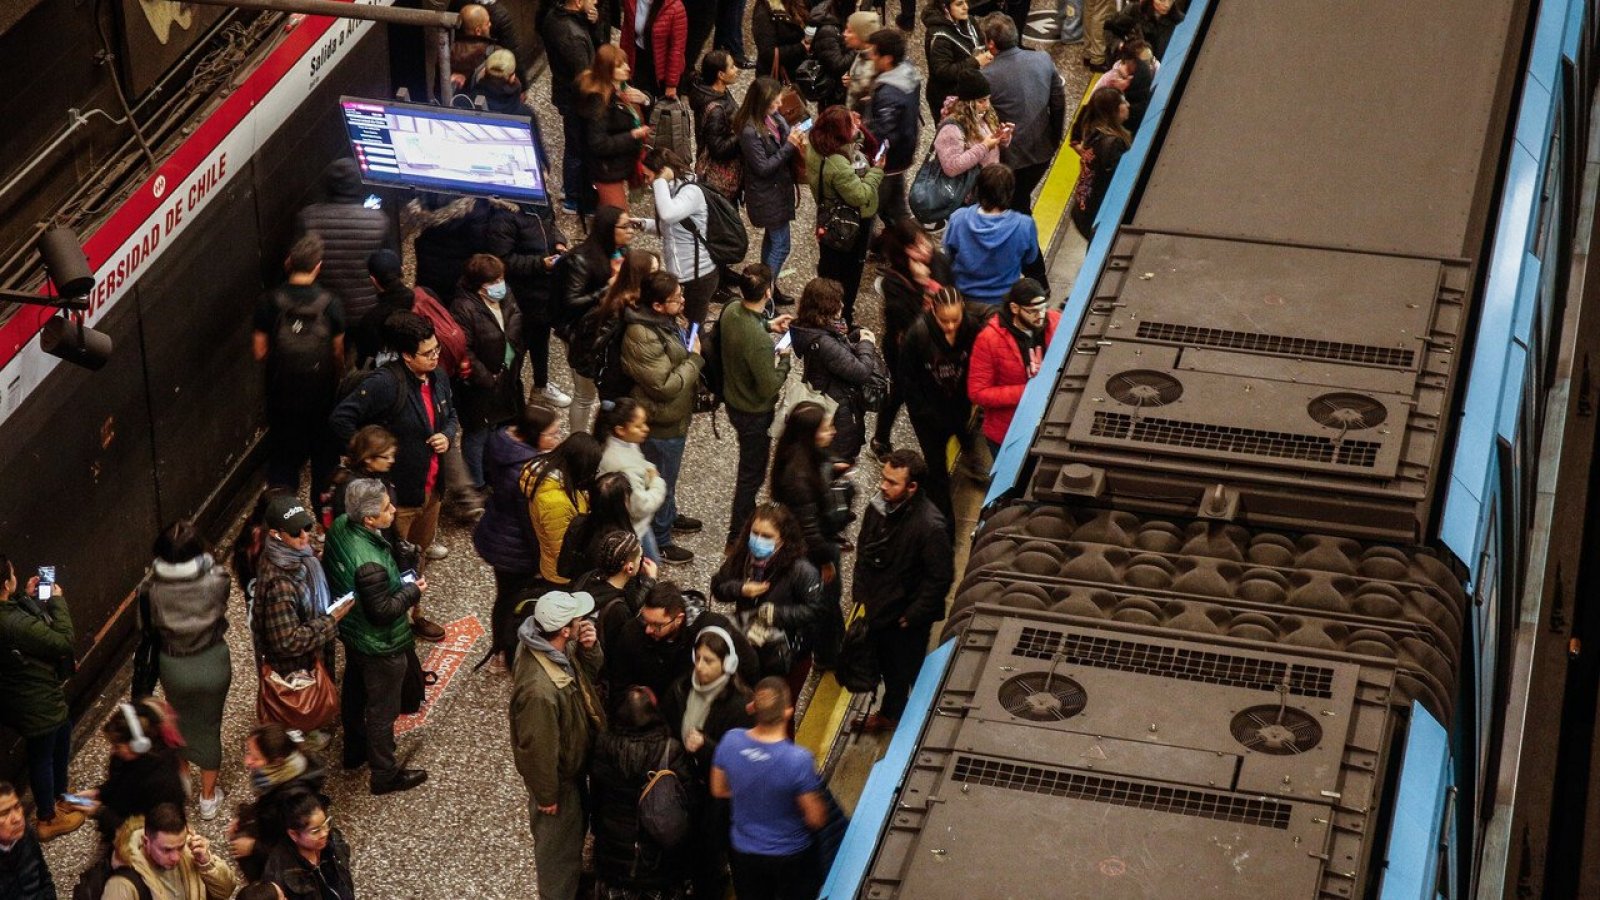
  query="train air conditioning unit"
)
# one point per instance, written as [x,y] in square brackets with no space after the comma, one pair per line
[1273,386]
[1120,762]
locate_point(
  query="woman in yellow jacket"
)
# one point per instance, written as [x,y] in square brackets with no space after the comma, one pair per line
[557,485]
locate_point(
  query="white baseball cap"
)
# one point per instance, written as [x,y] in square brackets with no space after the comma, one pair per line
[557,609]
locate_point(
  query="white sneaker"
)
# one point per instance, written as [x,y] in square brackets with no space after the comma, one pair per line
[210,808]
[557,397]
[437,551]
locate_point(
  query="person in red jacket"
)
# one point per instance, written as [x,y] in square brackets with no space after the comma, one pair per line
[655,35]
[1007,353]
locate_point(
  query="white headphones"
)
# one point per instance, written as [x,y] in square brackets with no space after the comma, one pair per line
[140,743]
[729,665]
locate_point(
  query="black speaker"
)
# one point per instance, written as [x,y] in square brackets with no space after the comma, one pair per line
[67,339]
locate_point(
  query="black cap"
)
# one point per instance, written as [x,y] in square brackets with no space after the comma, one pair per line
[288,514]
[971,85]
[1027,292]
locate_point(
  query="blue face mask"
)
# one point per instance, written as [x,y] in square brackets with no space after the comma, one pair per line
[496,291]
[762,547]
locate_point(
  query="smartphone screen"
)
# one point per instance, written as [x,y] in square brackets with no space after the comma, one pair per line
[342,602]
[694,332]
[409,576]
[883,151]
[47,582]
[78,800]
[804,127]
[783,342]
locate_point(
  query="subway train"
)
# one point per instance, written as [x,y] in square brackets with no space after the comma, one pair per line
[1277,590]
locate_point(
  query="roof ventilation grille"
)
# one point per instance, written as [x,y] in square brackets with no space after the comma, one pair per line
[1233,439]
[1144,388]
[1181,663]
[1277,344]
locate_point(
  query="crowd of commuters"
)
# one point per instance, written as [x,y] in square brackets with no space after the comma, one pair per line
[649,715]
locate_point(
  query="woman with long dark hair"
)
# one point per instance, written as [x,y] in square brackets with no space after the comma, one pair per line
[1100,137]
[811,483]
[138,780]
[488,387]
[776,593]
[557,487]
[836,172]
[624,424]
[835,365]
[952,46]
[914,270]
[635,743]
[312,862]
[188,597]
[932,376]
[610,509]
[615,122]
[779,27]
[504,536]
[969,134]
[588,272]
[620,572]
[768,148]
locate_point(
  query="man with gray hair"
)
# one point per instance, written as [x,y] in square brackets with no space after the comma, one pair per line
[377,634]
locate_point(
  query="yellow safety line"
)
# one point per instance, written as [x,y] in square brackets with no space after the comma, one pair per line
[818,734]
[1051,209]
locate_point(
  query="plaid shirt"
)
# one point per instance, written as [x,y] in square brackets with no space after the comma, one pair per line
[284,638]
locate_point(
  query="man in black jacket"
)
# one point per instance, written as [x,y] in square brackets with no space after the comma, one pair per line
[24,875]
[571,33]
[896,114]
[411,398]
[350,233]
[904,569]
[656,647]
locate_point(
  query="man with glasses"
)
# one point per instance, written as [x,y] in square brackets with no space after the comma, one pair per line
[171,860]
[656,648]
[663,358]
[410,398]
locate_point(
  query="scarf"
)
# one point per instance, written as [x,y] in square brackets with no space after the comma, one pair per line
[310,572]
[698,704]
[538,644]
[279,773]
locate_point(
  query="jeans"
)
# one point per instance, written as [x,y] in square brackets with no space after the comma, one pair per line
[648,546]
[900,653]
[666,454]
[48,757]
[796,877]
[473,442]
[730,27]
[369,704]
[775,248]
[755,445]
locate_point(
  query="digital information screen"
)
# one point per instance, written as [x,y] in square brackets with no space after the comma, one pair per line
[452,150]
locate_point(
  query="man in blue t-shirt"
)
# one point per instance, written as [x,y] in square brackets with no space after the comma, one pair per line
[777,802]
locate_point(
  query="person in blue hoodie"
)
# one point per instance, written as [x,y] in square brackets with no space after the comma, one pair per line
[991,245]
[895,118]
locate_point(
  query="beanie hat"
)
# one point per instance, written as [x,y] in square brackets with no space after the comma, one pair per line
[862,24]
[971,85]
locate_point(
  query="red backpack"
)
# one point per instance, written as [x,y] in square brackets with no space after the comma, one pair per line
[452,338]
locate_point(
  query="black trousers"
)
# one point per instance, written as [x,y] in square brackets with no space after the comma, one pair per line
[796,877]
[1028,178]
[697,294]
[536,337]
[883,429]
[295,438]
[892,205]
[755,445]
[702,21]
[933,436]
[900,653]
[845,268]
[370,702]
[507,585]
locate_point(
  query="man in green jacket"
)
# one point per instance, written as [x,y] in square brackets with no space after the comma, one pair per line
[376,632]
[664,362]
[35,659]
[753,372]
[555,716]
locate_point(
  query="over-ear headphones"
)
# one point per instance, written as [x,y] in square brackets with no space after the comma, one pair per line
[140,743]
[729,665]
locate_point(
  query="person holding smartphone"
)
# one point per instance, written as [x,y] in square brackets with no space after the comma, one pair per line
[753,374]
[837,172]
[36,658]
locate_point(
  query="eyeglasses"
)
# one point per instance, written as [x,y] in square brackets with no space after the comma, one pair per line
[319,830]
[630,226]
[428,354]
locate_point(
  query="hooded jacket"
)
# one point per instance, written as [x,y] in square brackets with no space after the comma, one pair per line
[523,241]
[551,512]
[904,566]
[504,536]
[555,712]
[188,604]
[989,252]
[665,374]
[624,855]
[214,881]
[570,40]
[447,236]
[896,115]
[359,559]
[932,373]
[998,374]
[350,233]
[839,370]
[949,49]
[35,658]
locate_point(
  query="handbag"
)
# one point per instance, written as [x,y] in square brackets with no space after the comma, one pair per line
[791,105]
[934,196]
[414,685]
[725,176]
[304,700]
[838,223]
[147,656]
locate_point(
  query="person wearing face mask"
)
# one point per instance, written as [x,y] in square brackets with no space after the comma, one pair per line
[776,592]
[932,377]
[489,381]
[504,538]
[702,707]
[904,568]
[1007,353]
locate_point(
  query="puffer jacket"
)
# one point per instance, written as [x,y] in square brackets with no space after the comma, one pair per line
[664,372]
[491,393]
[24,875]
[35,659]
[523,241]
[713,122]
[350,233]
[361,560]
[551,512]
[838,369]
[649,488]
[447,237]
[555,713]
[668,24]
[614,152]
[213,881]
[828,49]
[188,604]
[948,48]
[998,374]
[504,535]
[624,855]
[769,199]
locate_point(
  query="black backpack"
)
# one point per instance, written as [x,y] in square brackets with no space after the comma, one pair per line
[857,671]
[709,394]
[726,239]
[302,344]
[92,883]
[663,806]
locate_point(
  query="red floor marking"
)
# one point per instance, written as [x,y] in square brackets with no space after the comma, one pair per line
[444,659]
